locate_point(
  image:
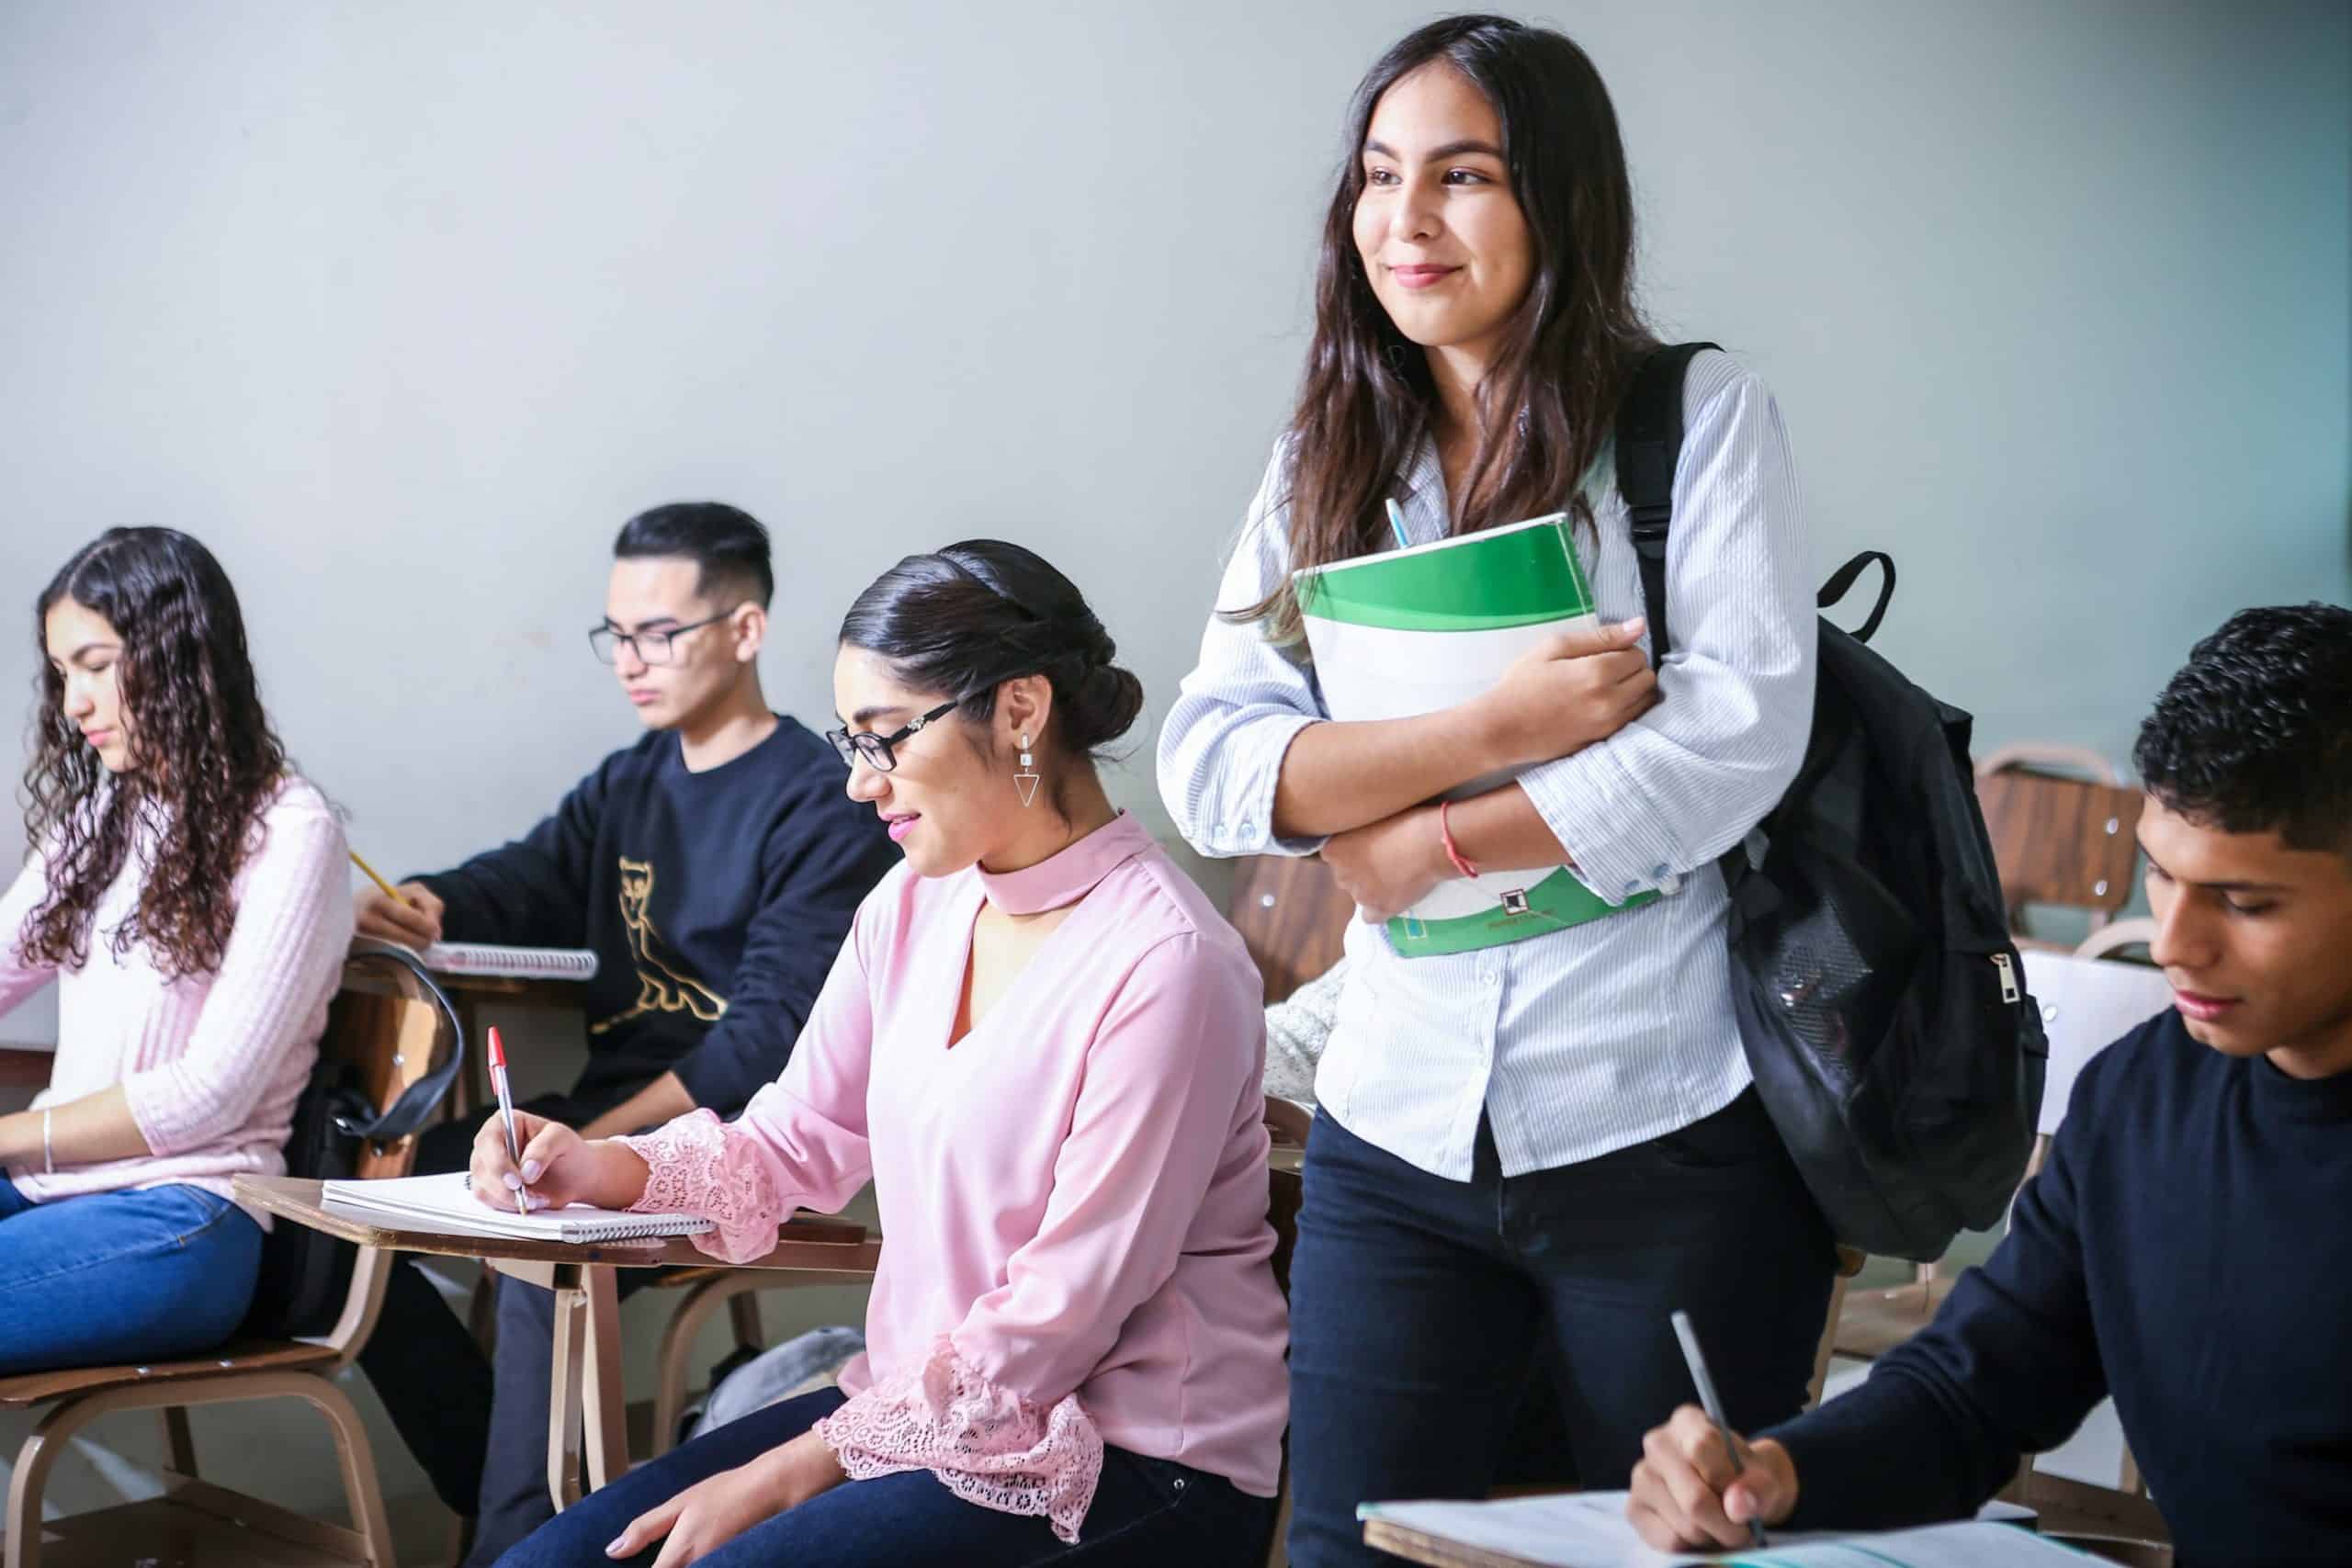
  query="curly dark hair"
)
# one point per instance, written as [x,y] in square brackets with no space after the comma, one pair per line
[204,759]
[2254,733]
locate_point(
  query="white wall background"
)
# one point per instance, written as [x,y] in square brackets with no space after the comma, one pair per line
[403,308]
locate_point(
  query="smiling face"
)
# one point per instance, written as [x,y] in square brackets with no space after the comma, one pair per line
[659,593]
[86,652]
[1439,233]
[2253,936]
[949,799]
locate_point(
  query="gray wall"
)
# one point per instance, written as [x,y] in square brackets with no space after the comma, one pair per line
[403,308]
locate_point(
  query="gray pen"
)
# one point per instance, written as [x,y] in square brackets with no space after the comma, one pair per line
[1713,1405]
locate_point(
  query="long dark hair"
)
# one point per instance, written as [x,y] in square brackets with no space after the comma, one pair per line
[963,620]
[204,758]
[1548,401]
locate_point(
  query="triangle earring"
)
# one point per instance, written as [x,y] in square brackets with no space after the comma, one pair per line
[1024,778]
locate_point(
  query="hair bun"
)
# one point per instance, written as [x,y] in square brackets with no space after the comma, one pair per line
[1103,707]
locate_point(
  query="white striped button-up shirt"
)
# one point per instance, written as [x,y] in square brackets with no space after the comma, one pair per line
[1607,1033]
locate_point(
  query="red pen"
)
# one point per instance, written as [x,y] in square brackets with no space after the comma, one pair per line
[506,1112]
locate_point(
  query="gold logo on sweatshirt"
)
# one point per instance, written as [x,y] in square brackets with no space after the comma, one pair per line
[662,983]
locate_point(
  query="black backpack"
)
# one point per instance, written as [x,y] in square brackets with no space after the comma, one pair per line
[1881,1001]
[306,1274]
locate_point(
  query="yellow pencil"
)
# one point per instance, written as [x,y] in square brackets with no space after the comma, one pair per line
[389,891]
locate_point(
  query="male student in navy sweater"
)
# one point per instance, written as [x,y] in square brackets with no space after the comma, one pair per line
[2188,1247]
[713,867]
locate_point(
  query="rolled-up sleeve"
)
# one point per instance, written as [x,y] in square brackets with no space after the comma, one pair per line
[1222,747]
[1677,787]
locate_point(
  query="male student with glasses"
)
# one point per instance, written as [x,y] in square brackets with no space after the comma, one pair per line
[713,867]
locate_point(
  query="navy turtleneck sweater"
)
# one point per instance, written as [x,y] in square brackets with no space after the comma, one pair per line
[2188,1249]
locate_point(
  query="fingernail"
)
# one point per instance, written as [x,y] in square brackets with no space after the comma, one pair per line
[513,1181]
[535,1201]
[617,1546]
[530,1171]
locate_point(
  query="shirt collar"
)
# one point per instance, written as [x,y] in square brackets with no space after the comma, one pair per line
[1071,873]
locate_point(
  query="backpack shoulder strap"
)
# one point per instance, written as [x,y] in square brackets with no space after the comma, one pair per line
[1649,443]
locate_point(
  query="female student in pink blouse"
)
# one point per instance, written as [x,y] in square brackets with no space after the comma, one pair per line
[190,895]
[1045,1047]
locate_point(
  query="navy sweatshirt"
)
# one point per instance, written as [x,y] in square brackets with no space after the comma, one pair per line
[2188,1249]
[715,903]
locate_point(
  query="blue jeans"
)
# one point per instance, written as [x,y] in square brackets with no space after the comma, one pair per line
[1148,1513]
[140,1276]
[1420,1307]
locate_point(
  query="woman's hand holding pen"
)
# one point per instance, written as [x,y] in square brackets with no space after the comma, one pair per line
[558,1167]
[1688,1493]
[1566,692]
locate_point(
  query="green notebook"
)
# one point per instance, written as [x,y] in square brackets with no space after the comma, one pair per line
[1411,631]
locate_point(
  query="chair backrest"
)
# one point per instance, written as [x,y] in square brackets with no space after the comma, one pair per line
[2059,840]
[1292,914]
[2086,1005]
[393,1027]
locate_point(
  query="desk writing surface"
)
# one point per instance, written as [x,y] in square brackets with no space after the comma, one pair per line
[820,1245]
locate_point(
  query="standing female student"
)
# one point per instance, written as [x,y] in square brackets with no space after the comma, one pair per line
[1556,1135]
[1044,1046]
[188,893]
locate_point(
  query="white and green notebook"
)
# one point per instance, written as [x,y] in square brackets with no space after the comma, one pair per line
[1411,631]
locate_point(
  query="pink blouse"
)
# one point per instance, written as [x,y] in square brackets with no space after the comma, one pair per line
[1073,1195]
[211,1065]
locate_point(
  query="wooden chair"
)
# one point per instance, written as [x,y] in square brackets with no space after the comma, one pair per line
[2060,839]
[386,1023]
[1292,917]
[704,1291]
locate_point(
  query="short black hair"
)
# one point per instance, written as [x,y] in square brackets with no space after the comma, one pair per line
[2254,733]
[726,544]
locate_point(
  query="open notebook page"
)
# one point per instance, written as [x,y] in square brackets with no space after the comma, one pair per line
[1589,1529]
[445,1205]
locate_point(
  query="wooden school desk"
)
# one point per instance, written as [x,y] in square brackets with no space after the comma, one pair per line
[585,1400]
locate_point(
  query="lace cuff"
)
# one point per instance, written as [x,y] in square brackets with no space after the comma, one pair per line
[697,1165]
[988,1444]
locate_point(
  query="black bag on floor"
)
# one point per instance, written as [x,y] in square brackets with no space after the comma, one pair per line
[1881,1004]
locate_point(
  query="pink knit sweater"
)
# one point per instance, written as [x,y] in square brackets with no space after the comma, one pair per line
[212,1064]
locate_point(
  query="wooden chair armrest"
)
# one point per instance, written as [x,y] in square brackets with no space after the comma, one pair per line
[21,1066]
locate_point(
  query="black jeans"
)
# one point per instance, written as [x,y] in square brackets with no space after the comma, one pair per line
[1147,1513]
[1418,1305]
[433,1380]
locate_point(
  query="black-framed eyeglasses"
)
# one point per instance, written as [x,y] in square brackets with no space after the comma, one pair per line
[875,749]
[651,647]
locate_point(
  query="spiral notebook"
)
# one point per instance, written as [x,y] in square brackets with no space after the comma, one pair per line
[511,963]
[444,1205]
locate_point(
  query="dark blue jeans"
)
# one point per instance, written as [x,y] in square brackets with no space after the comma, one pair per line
[140,1276]
[1418,1306]
[1147,1513]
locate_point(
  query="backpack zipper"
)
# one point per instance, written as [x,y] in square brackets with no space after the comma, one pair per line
[2008,977]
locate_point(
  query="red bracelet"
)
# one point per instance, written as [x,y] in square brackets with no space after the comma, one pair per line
[1453,851]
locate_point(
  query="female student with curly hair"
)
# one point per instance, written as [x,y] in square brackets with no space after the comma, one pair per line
[188,893]
[1554,1137]
[1043,1045]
